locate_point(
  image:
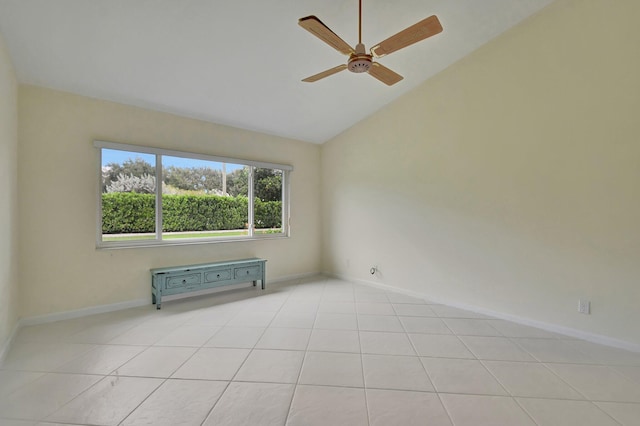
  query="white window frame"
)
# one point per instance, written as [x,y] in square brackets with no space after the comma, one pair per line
[159,152]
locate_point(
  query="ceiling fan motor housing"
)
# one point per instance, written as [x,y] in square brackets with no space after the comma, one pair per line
[359,61]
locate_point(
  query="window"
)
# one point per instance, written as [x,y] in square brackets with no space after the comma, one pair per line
[200,198]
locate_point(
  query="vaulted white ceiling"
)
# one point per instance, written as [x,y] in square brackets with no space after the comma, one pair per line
[240,63]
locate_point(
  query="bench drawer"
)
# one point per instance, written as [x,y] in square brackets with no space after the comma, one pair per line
[219,275]
[186,280]
[248,272]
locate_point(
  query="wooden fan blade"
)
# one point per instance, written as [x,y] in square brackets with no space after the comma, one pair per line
[320,30]
[384,74]
[326,73]
[424,29]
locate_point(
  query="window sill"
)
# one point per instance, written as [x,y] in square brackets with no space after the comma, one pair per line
[183,242]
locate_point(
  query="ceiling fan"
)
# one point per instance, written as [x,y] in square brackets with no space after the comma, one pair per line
[359,61]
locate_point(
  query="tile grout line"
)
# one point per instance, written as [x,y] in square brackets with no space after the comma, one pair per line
[304,358]
[509,393]
[240,367]
[431,381]
[364,382]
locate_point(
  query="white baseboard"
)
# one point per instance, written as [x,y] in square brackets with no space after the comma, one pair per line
[6,345]
[293,277]
[100,309]
[554,328]
[83,312]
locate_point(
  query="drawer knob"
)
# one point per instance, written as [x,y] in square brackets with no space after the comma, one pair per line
[218,275]
[184,281]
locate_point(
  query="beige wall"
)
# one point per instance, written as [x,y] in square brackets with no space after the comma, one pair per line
[60,267]
[9,302]
[510,181]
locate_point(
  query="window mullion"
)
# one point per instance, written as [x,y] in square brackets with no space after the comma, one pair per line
[158,197]
[99,199]
[285,203]
[251,200]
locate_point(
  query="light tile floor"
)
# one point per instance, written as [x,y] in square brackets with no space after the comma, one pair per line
[316,351]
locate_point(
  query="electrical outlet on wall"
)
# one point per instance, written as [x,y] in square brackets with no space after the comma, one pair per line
[584,306]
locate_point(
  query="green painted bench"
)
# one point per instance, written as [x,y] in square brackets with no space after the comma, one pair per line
[184,279]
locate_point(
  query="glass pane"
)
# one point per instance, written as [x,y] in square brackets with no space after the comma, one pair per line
[128,195]
[267,189]
[203,199]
